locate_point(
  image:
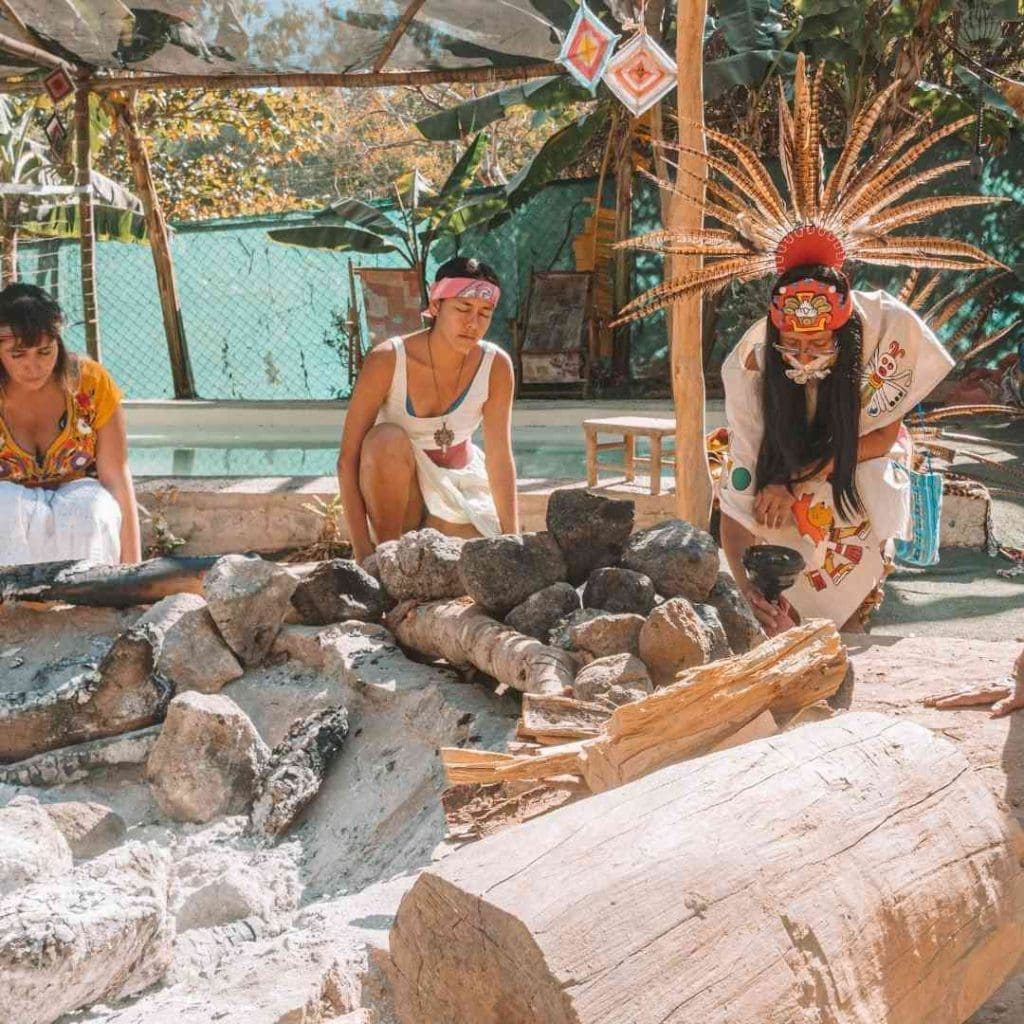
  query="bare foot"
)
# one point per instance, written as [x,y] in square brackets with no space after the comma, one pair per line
[1005,698]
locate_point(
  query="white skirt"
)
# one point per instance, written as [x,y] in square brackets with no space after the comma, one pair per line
[458,495]
[78,520]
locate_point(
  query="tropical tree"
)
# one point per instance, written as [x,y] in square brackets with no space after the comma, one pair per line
[425,216]
[36,205]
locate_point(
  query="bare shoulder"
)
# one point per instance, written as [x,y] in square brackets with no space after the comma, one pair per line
[501,367]
[377,370]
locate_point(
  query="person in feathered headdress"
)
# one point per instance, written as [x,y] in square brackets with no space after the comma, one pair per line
[816,392]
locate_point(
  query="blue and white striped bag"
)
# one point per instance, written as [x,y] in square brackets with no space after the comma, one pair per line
[925,517]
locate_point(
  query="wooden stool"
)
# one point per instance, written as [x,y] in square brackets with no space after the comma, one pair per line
[629,428]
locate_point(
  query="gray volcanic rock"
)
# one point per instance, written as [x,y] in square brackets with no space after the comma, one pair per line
[541,612]
[420,566]
[502,572]
[620,591]
[337,591]
[680,559]
[738,619]
[590,529]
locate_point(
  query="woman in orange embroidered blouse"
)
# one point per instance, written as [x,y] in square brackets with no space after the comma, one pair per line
[65,488]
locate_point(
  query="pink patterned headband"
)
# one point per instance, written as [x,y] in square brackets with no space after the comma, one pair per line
[464,288]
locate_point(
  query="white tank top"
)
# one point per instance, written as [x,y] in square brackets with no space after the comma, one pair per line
[462,418]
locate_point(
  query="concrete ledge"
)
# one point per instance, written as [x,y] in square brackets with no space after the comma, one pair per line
[269,514]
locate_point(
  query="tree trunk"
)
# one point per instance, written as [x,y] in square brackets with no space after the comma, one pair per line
[86,222]
[699,711]
[461,633]
[693,478]
[854,870]
[9,256]
[104,586]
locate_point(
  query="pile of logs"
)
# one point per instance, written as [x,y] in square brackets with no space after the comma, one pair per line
[705,708]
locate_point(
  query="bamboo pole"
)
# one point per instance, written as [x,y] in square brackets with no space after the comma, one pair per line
[170,305]
[29,51]
[693,479]
[86,222]
[623,261]
[396,36]
[298,80]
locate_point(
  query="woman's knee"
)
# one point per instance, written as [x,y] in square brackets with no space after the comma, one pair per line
[386,446]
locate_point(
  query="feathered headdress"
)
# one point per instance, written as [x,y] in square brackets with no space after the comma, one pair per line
[848,216]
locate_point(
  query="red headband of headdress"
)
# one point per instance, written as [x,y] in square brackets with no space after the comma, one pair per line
[809,304]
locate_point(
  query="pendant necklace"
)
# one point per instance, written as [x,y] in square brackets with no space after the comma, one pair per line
[443,436]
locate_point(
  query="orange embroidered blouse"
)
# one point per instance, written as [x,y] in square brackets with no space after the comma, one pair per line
[92,399]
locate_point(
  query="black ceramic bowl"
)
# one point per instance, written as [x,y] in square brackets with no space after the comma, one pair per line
[772,568]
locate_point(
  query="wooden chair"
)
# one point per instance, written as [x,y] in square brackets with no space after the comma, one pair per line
[628,429]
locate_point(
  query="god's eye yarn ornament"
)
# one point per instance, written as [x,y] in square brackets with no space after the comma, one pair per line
[588,48]
[641,73]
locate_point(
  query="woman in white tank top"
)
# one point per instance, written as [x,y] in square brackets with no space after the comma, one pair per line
[407,453]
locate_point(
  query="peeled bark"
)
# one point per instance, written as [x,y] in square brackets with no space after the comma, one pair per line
[464,635]
[699,711]
[854,870]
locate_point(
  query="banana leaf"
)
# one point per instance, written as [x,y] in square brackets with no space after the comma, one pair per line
[362,215]
[747,69]
[750,24]
[338,237]
[453,191]
[552,93]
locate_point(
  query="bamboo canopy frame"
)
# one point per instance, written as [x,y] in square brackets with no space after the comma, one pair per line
[693,481]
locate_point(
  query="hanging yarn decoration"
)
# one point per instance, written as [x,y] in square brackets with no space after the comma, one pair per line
[641,73]
[588,47]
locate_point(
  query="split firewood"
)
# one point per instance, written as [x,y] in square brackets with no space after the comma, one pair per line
[849,870]
[104,586]
[123,693]
[461,633]
[692,716]
[296,770]
[551,718]
[473,812]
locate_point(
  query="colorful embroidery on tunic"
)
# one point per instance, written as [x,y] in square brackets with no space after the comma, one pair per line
[841,557]
[883,384]
[73,455]
[813,521]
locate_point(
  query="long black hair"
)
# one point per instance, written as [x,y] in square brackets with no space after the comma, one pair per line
[790,443]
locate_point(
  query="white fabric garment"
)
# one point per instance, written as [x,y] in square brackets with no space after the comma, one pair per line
[902,363]
[454,495]
[78,520]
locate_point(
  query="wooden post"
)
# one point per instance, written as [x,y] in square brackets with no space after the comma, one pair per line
[693,479]
[170,305]
[623,228]
[86,224]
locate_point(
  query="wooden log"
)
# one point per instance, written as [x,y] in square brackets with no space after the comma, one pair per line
[296,769]
[552,718]
[692,716]
[854,871]
[104,586]
[464,635]
[124,693]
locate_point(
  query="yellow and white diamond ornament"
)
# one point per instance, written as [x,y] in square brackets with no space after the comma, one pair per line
[589,45]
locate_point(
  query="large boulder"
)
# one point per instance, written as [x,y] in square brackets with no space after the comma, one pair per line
[101,934]
[337,591]
[207,760]
[32,848]
[603,675]
[738,619]
[541,612]
[680,559]
[590,529]
[420,566]
[502,572]
[191,652]
[618,590]
[600,634]
[673,638]
[716,631]
[248,599]
[89,828]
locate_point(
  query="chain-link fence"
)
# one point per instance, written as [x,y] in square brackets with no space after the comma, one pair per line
[266,321]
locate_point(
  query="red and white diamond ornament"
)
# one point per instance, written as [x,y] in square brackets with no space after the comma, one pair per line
[588,47]
[640,74]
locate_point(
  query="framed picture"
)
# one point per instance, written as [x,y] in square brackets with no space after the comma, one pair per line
[556,330]
[58,84]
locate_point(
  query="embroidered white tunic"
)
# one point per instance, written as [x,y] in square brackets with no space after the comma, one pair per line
[454,494]
[902,363]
